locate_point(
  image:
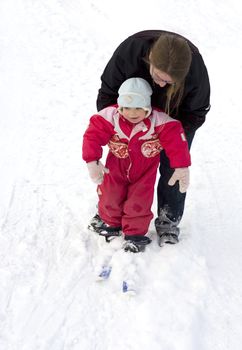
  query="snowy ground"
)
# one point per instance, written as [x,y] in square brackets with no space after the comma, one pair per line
[189,295]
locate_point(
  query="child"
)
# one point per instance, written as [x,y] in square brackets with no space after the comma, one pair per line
[135,134]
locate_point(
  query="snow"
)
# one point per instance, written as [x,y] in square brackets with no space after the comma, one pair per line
[189,295]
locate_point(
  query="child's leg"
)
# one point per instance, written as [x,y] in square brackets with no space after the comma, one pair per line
[137,213]
[112,194]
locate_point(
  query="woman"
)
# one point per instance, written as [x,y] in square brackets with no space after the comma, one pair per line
[179,79]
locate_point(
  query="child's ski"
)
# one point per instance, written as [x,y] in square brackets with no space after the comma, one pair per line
[128,288]
[122,266]
[105,271]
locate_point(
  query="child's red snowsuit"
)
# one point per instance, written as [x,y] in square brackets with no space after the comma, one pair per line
[126,194]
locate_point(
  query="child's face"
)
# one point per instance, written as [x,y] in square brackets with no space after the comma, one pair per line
[133,115]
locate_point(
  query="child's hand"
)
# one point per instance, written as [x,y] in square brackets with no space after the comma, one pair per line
[181,175]
[96,171]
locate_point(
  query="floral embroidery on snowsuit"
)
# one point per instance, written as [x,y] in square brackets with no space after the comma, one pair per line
[149,149]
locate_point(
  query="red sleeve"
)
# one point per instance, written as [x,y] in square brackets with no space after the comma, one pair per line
[173,140]
[97,134]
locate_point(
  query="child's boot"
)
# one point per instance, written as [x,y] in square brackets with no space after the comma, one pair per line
[135,244]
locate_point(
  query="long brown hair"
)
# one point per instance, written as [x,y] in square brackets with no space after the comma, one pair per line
[172,55]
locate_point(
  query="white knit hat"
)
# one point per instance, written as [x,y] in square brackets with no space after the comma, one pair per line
[135,93]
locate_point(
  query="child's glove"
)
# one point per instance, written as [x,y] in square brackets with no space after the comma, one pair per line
[181,175]
[96,171]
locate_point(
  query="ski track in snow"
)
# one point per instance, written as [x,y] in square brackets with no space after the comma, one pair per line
[188,295]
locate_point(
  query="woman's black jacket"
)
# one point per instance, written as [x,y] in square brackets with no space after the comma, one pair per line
[128,61]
